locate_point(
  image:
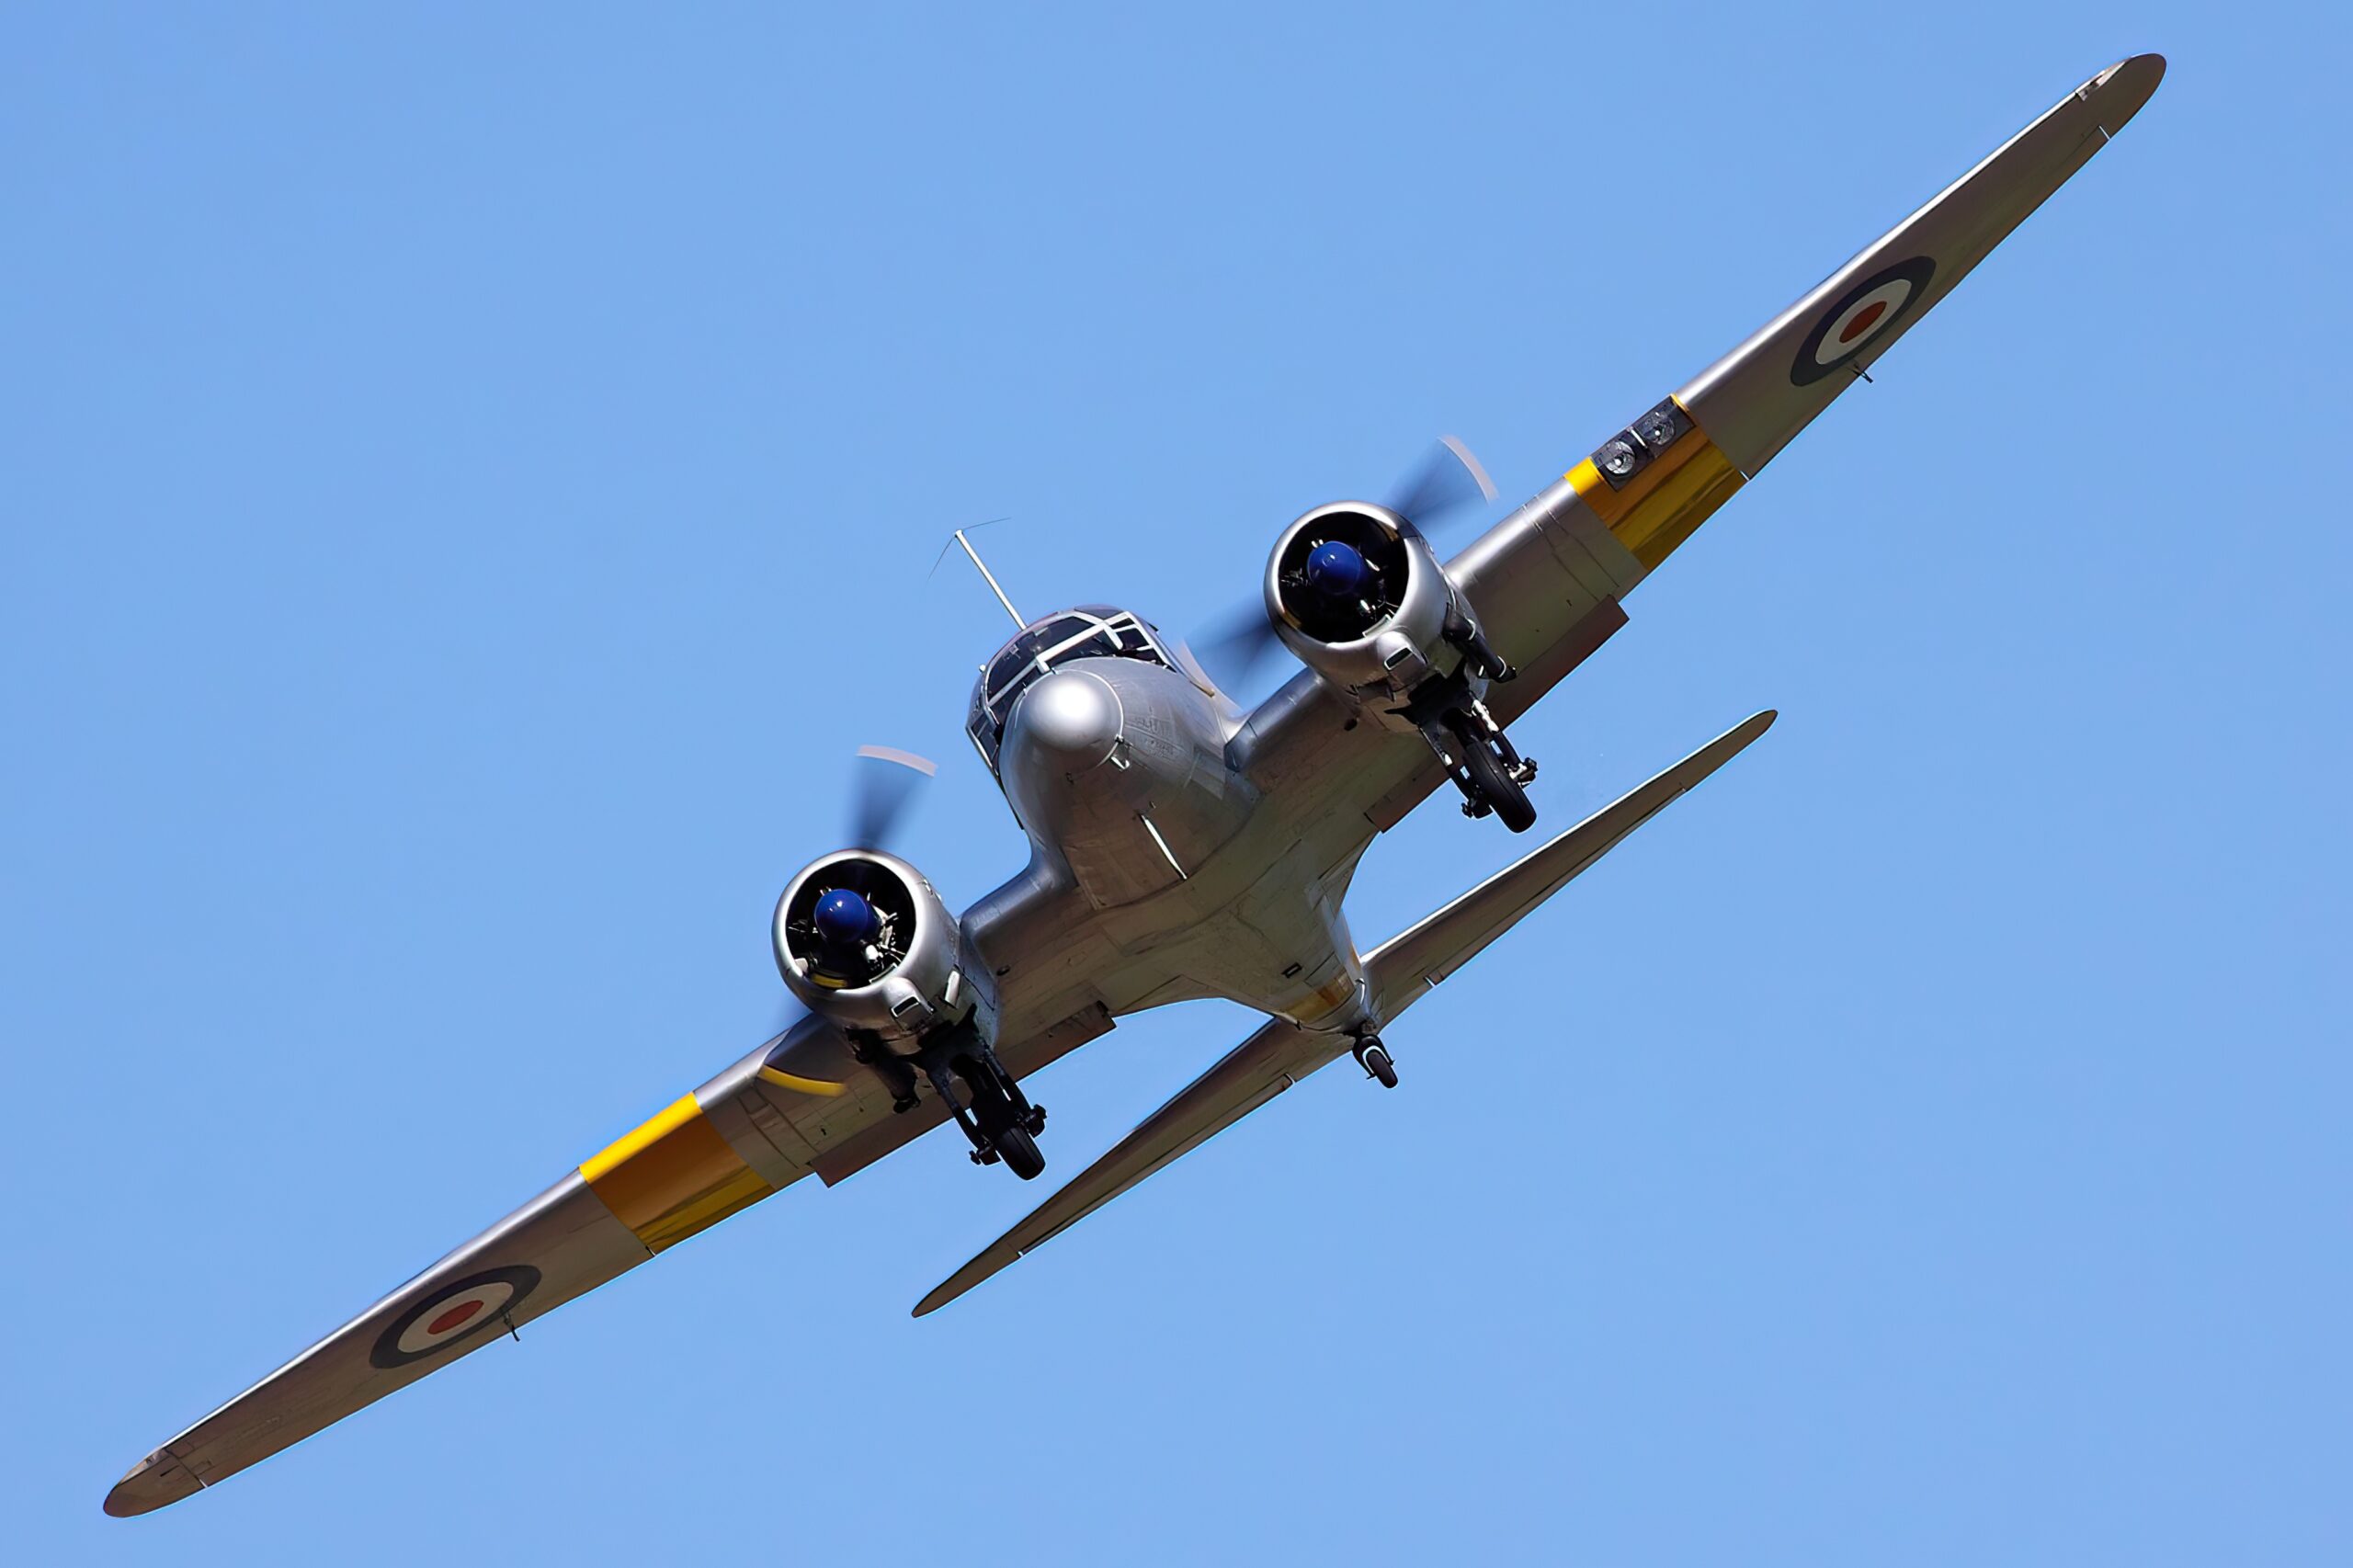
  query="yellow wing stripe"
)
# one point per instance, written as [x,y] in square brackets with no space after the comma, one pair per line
[1657,509]
[673,1177]
[800,1084]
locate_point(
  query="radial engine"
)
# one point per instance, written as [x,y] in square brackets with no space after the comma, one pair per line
[867,943]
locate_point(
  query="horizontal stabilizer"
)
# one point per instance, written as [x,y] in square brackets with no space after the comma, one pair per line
[1399,972]
[1402,969]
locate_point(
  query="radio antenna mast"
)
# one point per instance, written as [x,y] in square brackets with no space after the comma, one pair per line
[986,575]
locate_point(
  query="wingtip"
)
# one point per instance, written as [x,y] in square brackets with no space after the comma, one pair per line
[148,1486]
[2123,87]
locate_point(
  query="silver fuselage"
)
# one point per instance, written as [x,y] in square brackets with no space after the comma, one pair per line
[1133,784]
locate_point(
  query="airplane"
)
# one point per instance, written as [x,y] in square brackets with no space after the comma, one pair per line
[1180,846]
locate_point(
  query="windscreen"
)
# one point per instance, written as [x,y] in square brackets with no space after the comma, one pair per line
[1094,632]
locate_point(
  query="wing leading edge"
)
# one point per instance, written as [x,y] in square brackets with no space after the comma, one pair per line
[1399,973]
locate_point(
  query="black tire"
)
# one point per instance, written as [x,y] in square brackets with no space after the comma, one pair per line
[1019,1151]
[1495,785]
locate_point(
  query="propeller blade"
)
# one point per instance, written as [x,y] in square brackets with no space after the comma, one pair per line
[1234,644]
[886,782]
[1448,478]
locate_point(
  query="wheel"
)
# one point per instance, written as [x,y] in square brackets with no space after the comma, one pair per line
[1019,1151]
[1494,781]
[1375,1058]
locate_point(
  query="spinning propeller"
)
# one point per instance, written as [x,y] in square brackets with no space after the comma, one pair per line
[1444,485]
[1446,480]
[883,791]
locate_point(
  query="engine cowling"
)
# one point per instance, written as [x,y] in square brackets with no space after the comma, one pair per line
[1361,600]
[865,941]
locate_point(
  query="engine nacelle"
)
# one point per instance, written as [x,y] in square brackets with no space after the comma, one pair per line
[1361,600]
[864,942]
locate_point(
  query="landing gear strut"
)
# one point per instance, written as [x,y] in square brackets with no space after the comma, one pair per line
[1374,1057]
[994,1114]
[890,1068]
[1479,655]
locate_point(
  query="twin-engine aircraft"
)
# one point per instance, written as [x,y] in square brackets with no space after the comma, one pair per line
[1182,847]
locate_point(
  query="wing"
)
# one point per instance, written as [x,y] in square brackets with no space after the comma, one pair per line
[1615,516]
[1546,582]
[1399,973]
[752,1129]
[1755,398]
[562,1242]
[798,1105]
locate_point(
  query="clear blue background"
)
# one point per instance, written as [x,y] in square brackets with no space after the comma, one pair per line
[470,480]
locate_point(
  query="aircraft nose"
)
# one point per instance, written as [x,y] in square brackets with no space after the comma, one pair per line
[1070,719]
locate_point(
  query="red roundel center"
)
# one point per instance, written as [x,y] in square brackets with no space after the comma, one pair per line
[1862,321]
[454,1316]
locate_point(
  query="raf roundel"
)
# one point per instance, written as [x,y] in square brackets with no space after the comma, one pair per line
[453,1313]
[1863,316]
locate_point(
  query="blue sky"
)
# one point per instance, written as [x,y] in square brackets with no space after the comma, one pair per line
[471,482]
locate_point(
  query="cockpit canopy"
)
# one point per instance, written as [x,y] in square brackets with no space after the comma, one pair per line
[1089,631]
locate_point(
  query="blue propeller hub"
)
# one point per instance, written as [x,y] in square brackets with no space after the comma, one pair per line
[843,919]
[1337,571]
